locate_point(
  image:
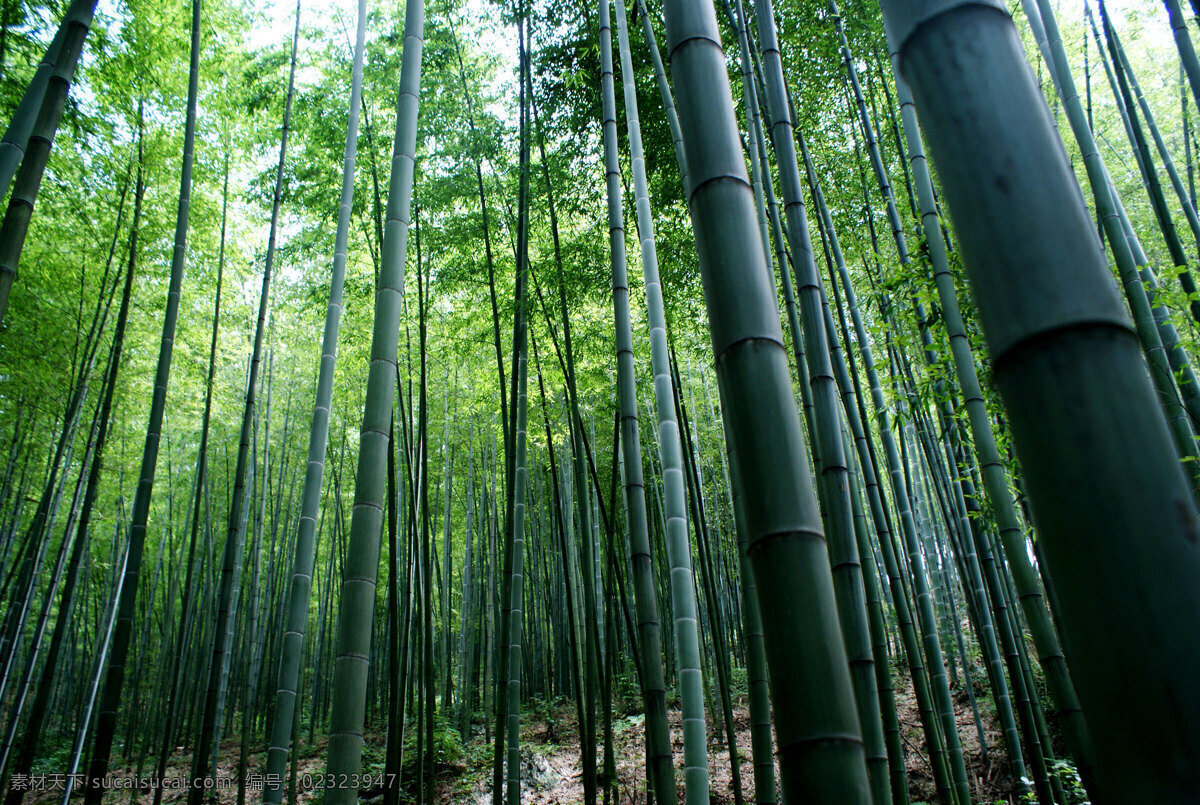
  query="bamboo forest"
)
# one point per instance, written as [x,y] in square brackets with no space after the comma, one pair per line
[599,401]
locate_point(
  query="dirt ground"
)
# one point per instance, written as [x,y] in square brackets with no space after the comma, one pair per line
[552,770]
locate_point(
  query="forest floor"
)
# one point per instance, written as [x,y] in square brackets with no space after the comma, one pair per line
[552,772]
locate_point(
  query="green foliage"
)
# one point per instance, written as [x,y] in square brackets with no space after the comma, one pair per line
[1068,777]
[627,692]
[632,720]
[447,746]
[55,761]
[138,52]
[738,686]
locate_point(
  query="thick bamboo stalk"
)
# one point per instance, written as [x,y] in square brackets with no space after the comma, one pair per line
[1058,339]
[40,139]
[992,469]
[820,745]
[683,591]
[361,567]
[310,499]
